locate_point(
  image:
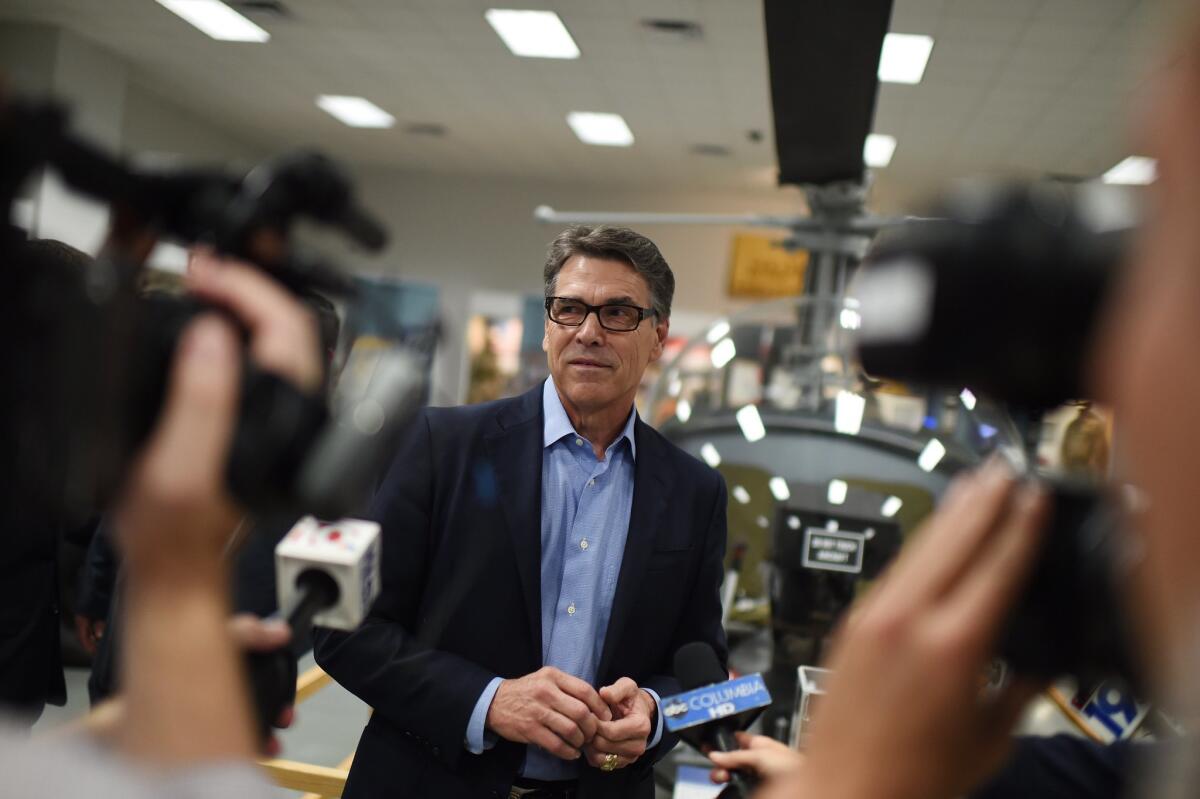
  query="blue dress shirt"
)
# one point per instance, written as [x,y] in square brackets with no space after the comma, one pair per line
[585,521]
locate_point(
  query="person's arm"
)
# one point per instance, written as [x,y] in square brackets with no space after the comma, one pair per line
[759,755]
[185,694]
[97,580]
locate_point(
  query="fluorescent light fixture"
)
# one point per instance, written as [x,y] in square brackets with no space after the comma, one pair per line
[848,413]
[763,522]
[357,112]
[723,353]
[217,20]
[741,495]
[532,34]
[850,319]
[878,150]
[751,423]
[779,489]
[607,130]
[793,522]
[710,454]
[683,410]
[1136,170]
[903,57]
[968,399]
[717,332]
[932,455]
[837,492]
[891,506]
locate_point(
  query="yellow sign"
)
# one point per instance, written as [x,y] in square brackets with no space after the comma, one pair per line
[761,268]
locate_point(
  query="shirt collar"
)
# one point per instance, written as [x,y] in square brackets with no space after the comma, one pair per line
[558,424]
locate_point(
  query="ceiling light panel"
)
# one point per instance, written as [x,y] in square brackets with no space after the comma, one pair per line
[1136,170]
[357,112]
[904,57]
[606,130]
[878,150]
[216,20]
[533,34]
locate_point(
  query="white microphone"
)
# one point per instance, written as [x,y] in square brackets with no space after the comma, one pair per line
[329,571]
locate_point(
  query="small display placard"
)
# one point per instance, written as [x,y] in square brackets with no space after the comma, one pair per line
[831,550]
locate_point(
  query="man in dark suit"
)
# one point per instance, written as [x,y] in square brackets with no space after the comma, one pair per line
[544,557]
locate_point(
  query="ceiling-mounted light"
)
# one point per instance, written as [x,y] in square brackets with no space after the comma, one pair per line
[717,332]
[1136,170]
[891,506]
[848,413]
[763,522]
[968,399]
[741,495]
[710,455]
[723,353]
[878,150]
[357,112]
[793,522]
[751,423]
[683,411]
[532,34]
[217,20]
[903,57]
[837,492]
[606,130]
[779,489]
[932,455]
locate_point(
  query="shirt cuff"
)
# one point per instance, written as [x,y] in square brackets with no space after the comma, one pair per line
[478,738]
[658,719]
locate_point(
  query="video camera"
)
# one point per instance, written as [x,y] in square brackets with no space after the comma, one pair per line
[1001,291]
[86,353]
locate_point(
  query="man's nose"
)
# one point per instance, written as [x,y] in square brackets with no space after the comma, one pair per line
[591,331]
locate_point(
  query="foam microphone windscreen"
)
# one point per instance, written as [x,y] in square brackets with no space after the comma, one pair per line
[696,665]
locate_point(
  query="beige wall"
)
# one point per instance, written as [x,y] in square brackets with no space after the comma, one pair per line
[478,233]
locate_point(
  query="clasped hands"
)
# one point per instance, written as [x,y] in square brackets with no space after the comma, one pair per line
[568,717]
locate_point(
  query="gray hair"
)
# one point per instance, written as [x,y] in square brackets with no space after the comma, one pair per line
[618,244]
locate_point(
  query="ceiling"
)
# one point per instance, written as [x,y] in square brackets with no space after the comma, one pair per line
[1025,86]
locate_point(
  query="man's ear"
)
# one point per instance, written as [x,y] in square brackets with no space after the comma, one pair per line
[661,330]
[546,336]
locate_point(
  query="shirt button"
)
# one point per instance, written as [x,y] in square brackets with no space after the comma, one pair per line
[579,442]
[592,482]
[583,544]
[571,609]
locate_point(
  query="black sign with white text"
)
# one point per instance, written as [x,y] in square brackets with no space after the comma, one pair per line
[831,550]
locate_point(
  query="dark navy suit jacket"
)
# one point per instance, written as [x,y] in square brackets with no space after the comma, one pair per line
[460,604]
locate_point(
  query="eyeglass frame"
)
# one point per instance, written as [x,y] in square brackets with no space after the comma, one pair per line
[642,313]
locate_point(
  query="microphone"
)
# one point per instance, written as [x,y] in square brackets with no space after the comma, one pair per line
[327,574]
[712,706]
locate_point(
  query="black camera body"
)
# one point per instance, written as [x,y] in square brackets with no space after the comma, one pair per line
[1001,291]
[87,352]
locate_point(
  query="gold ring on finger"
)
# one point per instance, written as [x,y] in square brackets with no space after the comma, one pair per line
[610,763]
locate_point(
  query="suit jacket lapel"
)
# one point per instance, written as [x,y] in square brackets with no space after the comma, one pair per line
[651,487]
[516,451]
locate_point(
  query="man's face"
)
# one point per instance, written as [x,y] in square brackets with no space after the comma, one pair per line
[593,368]
[1148,365]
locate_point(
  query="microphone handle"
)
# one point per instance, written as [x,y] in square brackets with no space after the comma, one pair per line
[272,675]
[742,782]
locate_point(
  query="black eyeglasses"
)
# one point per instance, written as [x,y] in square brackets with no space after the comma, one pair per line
[617,318]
